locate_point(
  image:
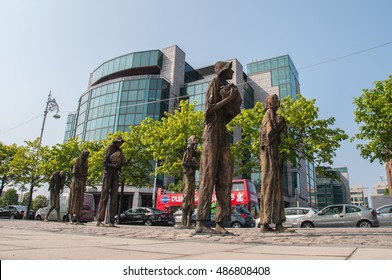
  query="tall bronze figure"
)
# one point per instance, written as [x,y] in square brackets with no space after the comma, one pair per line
[190,162]
[56,186]
[112,163]
[78,186]
[271,199]
[223,103]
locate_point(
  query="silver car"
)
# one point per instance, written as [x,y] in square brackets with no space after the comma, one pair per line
[384,215]
[293,213]
[339,215]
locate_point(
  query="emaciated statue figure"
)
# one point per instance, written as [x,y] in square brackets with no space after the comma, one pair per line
[223,103]
[56,186]
[271,199]
[78,186]
[112,163]
[190,162]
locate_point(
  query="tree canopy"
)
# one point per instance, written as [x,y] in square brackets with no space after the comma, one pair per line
[374,115]
[307,137]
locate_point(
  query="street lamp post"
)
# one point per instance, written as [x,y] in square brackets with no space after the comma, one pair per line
[51,106]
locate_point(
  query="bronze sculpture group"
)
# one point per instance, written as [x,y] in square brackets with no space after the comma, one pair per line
[223,103]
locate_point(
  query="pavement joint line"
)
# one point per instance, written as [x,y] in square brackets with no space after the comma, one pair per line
[352,253]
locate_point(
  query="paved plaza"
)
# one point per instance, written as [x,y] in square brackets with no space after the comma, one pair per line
[36,240]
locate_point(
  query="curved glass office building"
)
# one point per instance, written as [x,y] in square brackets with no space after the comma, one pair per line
[122,92]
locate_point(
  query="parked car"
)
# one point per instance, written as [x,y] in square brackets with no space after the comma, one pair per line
[146,215]
[293,213]
[88,211]
[15,212]
[240,217]
[384,215]
[339,215]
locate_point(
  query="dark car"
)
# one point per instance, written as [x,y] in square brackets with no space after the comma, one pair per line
[240,217]
[15,212]
[147,216]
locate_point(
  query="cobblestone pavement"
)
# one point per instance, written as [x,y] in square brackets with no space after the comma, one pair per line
[337,237]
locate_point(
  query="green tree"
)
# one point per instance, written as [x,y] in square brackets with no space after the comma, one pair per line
[62,157]
[6,155]
[38,201]
[26,168]
[307,137]
[25,199]
[374,115]
[245,152]
[10,197]
[166,140]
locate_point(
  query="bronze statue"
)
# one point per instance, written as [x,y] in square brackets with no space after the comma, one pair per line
[190,162]
[271,199]
[223,103]
[78,186]
[56,186]
[112,163]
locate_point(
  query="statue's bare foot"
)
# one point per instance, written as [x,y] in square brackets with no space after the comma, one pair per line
[112,225]
[266,228]
[221,230]
[202,228]
[280,228]
[100,224]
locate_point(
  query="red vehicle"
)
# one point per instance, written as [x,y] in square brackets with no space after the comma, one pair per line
[243,193]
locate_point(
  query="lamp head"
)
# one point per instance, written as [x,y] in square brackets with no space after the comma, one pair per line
[56,116]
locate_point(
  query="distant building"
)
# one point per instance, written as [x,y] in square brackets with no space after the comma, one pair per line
[333,190]
[380,196]
[359,196]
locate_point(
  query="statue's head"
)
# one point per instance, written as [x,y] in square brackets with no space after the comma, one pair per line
[118,140]
[272,102]
[224,67]
[85,154]
[193,139]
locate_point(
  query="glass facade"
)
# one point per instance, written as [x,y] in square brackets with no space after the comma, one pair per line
[283,74]
[129,61]
[331,191]
[195,92]
[70,126]
[116,106]
[311,184]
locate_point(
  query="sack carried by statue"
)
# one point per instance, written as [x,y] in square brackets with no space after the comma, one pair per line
[233,106]
[117,159]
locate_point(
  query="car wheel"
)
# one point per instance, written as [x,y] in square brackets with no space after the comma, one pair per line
[193,223]
[148,223]
[236,225]
[307,225]
[364,224]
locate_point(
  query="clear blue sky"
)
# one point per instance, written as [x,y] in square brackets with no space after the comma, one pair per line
[54,45]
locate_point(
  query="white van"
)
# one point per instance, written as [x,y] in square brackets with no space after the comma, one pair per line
[88,212]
